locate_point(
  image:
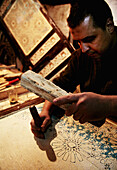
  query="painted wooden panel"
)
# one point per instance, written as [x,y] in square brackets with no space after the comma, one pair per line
[27,24]
[67,145]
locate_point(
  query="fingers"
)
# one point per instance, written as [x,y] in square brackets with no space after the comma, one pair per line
[45,124]
[71,109]
[39,131]
[83,119]
[77,113]
[33,126]
[66,99]
[36,131]
[77,116]
[38,134]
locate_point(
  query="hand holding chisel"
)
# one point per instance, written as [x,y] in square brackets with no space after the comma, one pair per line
[37,120]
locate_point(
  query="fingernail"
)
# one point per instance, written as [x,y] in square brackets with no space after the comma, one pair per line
[54,100]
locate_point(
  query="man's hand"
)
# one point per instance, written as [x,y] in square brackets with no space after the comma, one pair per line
[85,106]
[38,132]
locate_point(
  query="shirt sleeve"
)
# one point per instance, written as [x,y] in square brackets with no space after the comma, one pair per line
[68,79]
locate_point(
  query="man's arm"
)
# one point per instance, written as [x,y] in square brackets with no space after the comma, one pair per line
[89,106]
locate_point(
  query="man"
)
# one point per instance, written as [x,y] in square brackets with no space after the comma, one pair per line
[93,66]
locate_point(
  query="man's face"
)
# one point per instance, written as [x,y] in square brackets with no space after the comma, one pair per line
[92,40]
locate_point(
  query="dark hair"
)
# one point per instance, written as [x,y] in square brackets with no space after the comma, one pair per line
[98,9]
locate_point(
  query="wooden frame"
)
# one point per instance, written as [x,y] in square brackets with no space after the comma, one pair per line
[36,38]
[37,41]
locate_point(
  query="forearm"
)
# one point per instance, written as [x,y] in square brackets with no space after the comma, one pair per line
[111,102]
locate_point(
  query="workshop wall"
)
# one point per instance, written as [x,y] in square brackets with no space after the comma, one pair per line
[113,6]
[59,14]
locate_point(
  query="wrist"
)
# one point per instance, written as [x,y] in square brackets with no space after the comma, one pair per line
[47,106]
[110,105]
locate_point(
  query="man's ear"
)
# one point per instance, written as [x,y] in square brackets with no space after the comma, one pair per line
[110,25]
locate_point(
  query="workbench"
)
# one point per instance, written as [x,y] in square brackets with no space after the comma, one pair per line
[24,97]
[67,145]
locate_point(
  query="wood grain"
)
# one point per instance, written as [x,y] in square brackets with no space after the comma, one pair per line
[42,87]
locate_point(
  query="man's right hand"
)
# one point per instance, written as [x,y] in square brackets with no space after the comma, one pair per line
[45,116]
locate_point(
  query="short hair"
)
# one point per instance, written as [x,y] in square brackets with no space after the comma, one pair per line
[99,10]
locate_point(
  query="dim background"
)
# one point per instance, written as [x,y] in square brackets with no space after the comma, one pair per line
[59,14]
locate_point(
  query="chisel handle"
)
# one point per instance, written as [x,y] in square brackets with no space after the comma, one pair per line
[38,121]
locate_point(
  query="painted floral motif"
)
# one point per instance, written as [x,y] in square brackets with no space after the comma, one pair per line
[76,143]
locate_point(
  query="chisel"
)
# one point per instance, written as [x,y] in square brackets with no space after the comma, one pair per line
[38,121]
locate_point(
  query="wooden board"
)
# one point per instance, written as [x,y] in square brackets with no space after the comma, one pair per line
[23,24]
[42,87]
[8,73]
[25,98]
[68,145]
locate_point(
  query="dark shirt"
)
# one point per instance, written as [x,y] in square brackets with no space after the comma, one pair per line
[93,75]
[56,2]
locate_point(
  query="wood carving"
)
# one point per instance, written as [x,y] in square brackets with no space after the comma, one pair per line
[42,87]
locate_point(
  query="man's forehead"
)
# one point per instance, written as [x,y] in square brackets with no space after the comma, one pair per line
[87,20]
[83,30]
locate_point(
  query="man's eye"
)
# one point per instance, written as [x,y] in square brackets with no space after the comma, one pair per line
[89,39]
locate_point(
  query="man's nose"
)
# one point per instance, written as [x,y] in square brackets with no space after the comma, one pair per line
[84,47]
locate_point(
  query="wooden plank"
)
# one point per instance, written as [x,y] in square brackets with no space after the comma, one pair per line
[8,73]
[42,87]
[5,91]
[56,62]
[24,100]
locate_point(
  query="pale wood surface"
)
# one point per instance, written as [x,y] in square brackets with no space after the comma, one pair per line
[31,20]
[25,98]
[42,87]
[68,145]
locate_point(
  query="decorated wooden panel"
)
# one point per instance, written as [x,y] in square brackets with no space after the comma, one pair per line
[61,57]
[35,37]
[44,48]
[27,24]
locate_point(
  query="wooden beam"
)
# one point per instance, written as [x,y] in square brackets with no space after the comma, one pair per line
[42,87]
[23,101]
